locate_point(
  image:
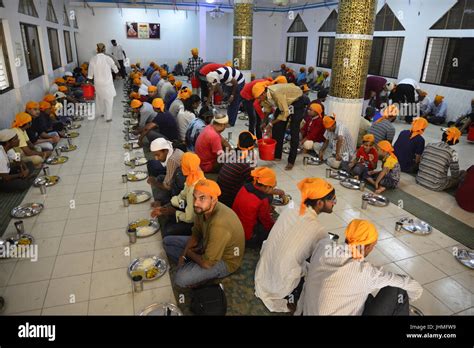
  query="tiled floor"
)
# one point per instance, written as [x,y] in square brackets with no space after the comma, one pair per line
[84,251]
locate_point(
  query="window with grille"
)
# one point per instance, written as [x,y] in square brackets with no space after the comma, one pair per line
[297,26]
[5,75]
[325,51]
[387,21]
[27,7]
[460,16]
[67,42]
[31,46]
[449,62]
[50,13]
[330,24]
[296,49]
[54,48]
[66,18]
[385,56]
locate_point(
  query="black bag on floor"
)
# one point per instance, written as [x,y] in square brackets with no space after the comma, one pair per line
[209,300]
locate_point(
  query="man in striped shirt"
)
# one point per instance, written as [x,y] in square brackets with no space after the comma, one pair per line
[230,77]
[437,159]
[383,129]
[339,140]
[340,282]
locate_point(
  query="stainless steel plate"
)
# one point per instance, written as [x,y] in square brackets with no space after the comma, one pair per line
[352,184]
[415,226]
[377,200]
[312,161]
[72,135]
[340,175]
[26,210]
[137,197]
[73,126]
[286,149]
[149,267]
[162,309]
[47,180]
[68,148]
[134,146]
[145,227]
[139,161]
[136,175]
[57,160]
[466,257]
[278,201]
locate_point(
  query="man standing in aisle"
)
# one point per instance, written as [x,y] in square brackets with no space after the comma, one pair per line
[99,70]
[192,70]
[119,54]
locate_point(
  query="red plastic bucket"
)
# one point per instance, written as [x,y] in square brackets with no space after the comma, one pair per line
[266,149]
[470,134]
[88,91]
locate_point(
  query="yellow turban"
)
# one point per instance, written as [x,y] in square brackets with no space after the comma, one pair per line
[368,137]
[44,105]
[194,51]
[438,99]
[135,104]
[158,103]
[49,98]
[137,81]
[259,88]
[313,188]
[418,126]
[317,109]
[178,84]
[152,89]
[264,176]
[280,79]
[208,187]
[21,119]
[184,93]
[190,166]
[360,232]
[453,134]
[32,105]
[163,73]
[328,121]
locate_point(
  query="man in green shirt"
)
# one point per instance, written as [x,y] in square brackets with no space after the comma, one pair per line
[217,244]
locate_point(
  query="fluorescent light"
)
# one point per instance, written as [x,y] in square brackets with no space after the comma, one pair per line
[210,1]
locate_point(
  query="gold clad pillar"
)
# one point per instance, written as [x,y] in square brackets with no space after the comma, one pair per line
[243,23]
[350,65]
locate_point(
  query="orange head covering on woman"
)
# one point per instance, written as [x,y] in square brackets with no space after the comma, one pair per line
[21,119]
[208,187]
[190,166]
[418,127]
[360,232]
[264,176]
[453,134]
[313,188]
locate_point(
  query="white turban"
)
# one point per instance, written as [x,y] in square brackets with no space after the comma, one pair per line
[68,73]
[6,135]
[162,144]
[212,77]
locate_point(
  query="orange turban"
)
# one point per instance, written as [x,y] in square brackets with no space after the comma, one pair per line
[208,187]
[32,105]
[360,232]
[59,80]
[171,78]
[152,89]
[259,88]
[163,73]
[137,81]
[49,98]
[313,188]
[280,79]
[190,166]
[453,134]
[135,104]
[178,84]
[63,89]
[184,93]
[385,146]
[134,95]
[158,103]
[438,99]
[418,126]
[368,137]
[317,109]
[228,63]
[44,105]
[21,119]
[328,121]
[194,51]
[264,176]
[423,93]
[305,88]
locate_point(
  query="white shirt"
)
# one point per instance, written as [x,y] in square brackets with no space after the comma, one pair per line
[99,70]
[283,256]
[147,114]
[4,161]
[166,87]
[410,82]
[143,90]
[425,105]
[145,81]
[117,52]
[184,119]
[337,284]
[53,89]
[176,106]
[347,143]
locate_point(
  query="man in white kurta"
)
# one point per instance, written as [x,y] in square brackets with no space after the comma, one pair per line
[100,67]
[290,243]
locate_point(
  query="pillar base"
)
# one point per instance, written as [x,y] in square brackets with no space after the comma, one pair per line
[348,112]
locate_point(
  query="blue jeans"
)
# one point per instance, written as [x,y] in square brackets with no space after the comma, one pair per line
[233,108]
[191,273]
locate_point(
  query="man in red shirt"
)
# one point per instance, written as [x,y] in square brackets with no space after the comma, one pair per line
[253,206]
[209,144]
[248,103]
[313,129]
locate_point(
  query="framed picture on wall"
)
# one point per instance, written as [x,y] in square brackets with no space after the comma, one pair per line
[132,30]
[154,30]
[143,30]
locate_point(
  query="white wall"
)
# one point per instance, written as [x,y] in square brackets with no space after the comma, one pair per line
[219,33]
[417,16]
[14,100]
